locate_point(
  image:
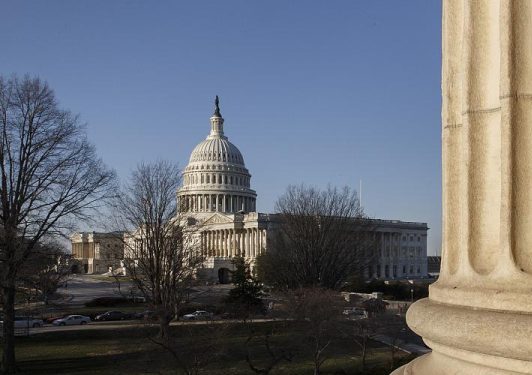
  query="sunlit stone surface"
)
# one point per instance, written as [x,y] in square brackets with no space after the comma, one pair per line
[478,317]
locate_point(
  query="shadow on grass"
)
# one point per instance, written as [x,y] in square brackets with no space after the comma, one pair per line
[124,363]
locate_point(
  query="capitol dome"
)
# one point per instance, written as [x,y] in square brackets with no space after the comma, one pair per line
[216,178]
[216,149]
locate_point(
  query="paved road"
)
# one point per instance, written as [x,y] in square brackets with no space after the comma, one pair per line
[84,288]
[127,324]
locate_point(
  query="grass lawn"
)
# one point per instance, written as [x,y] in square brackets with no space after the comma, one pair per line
[130,351]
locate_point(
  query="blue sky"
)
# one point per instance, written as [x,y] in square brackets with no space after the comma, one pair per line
[311,91]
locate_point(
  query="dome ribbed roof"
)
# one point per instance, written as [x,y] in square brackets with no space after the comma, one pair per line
[217,149]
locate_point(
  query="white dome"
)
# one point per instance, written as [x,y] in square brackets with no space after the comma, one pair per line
[216,179]
[217,150]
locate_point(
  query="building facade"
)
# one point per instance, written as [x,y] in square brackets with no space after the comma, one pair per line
[402,250]
[217,197]
[217,203]
[97,252]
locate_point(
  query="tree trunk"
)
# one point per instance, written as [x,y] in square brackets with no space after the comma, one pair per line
[317,359]
[164,328]
[364,351]
[8,331]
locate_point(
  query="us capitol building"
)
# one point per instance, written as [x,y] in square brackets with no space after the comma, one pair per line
[217,198]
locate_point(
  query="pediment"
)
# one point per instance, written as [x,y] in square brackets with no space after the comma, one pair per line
[218,218]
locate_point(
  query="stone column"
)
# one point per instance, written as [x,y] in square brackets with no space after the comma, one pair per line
[208,243]
[229,242]
[478,317]
[226,242]
[217,243]
[243,243]
[248,243]
[252,242]
[259,232]
[221,243]
[240,242]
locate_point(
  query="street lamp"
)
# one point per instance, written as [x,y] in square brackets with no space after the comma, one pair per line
[411,294]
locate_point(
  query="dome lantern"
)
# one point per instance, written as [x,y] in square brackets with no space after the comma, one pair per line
[217,121]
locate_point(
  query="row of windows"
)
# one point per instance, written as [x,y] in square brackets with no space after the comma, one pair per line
[218,156]
[404,237]
[412,251]
[215,167]
[394,271]
[411,238]
[217,179]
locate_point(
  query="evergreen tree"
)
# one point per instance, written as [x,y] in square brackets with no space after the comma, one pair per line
[246,296]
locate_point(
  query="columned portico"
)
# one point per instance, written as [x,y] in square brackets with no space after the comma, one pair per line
[478,317]
[226,243]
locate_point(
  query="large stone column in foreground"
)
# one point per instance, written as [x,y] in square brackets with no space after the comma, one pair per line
[478,317]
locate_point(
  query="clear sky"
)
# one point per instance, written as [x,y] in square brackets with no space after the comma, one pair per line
[311,91]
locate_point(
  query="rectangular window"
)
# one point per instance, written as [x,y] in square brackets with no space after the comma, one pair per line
[394,271]
[387,271]
[404,270]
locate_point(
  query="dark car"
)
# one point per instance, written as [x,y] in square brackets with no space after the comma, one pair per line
[145,315]
[112,315]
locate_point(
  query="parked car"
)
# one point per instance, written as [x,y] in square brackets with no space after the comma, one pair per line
[136,299]
[70,320]
[355,313]
[145,315]
[112,315]
[26,322]
[198,315]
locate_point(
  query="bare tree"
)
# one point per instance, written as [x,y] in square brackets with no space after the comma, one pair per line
[160,250]
[323,239]
[275,352]
[318,311]
[199,345]
[50,177]
[46,269]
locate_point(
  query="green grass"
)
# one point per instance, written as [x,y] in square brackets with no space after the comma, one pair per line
[129,351]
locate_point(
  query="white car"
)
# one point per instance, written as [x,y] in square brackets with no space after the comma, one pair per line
[355,313]
[70,320]
[27,322]
[198,315]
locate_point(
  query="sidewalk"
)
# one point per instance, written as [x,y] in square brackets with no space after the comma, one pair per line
[401,345]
